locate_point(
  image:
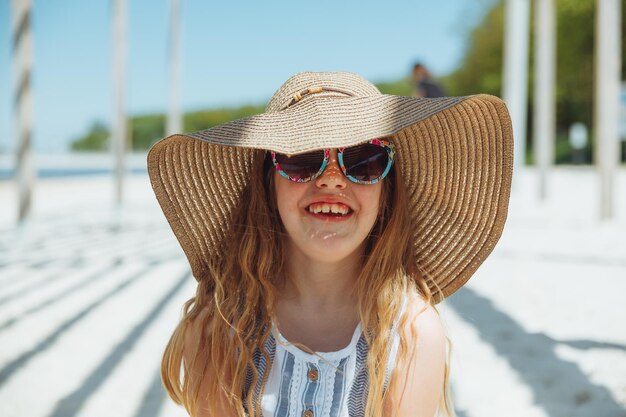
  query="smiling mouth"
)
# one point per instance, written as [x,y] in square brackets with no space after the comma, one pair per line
[329,209]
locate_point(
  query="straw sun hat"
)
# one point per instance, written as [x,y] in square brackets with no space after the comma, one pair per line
[455,155]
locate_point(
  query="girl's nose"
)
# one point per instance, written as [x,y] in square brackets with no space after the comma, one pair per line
[332,177]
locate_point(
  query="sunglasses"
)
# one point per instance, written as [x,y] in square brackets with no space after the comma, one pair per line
[366,163]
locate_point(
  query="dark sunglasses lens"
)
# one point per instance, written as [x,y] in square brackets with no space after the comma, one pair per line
[301,166]
[365,162]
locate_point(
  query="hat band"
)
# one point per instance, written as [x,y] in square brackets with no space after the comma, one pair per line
[298,96]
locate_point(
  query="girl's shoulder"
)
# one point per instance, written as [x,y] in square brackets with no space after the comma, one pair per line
[422,317]
[424,334]
[420,379]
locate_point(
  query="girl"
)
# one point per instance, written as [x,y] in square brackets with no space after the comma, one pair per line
[322,233]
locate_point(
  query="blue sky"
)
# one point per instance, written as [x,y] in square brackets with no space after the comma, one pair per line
[233,53]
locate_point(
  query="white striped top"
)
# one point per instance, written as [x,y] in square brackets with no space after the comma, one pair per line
[301,384]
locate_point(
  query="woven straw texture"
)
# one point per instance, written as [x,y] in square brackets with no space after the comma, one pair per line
[455,155]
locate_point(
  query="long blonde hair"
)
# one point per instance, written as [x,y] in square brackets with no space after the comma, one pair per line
[232,311]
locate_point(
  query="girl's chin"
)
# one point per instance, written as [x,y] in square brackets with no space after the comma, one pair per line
[328,258]
[331,249]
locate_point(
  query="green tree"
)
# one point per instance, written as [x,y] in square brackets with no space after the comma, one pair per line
[205,119]
[96,139]
[146,130]
[401,87]
[480,70]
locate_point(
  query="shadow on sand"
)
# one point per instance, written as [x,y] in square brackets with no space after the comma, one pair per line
[558,386]
[71,404]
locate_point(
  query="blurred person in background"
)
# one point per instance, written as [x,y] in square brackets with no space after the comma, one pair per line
[423,83]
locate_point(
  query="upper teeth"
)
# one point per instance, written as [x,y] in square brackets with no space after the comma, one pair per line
[329,208]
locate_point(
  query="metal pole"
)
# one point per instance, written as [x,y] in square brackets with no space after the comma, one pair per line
[606,112]
[174,122]
[515,77]
[119,119]
[22,61]
[545,74]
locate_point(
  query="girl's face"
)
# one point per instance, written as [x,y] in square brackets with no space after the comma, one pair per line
[329,218]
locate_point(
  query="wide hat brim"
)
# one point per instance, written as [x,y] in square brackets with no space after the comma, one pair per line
[454,154]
